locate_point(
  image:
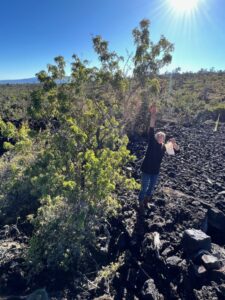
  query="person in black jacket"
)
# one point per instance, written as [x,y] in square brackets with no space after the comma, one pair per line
[153,157]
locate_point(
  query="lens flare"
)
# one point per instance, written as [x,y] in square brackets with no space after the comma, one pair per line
[183,6]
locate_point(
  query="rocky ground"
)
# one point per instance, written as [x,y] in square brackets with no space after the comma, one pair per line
[175,251]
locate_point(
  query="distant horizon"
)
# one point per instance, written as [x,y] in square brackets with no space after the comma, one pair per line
[164,73]
[161,73]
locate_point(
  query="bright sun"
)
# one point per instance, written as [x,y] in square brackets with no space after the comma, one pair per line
[183,6]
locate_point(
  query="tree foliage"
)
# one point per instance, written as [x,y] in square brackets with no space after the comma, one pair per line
[149,58]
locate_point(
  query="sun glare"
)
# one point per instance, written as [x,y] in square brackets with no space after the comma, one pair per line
[183,6]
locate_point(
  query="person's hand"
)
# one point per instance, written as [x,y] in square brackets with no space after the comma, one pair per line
[173,141]
[175,146]
[152,109]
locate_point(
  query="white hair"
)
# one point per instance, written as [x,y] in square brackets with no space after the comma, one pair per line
[160,133]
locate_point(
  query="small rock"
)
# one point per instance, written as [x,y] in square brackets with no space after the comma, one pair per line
[196,203]
[218,251]
[222,289]
[221,193]
[173,261]
[104,297]
[200,270]
[167,251]
[211,262]
[150,292]
[129,168]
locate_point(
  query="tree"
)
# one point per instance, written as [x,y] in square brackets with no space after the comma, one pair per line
[148,60]
[149,57]
[74,165]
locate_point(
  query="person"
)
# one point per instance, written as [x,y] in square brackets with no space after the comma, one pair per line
[153,157]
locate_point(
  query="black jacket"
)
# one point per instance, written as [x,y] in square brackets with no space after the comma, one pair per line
[153,156]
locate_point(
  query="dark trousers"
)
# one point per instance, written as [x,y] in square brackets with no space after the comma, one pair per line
[148,183]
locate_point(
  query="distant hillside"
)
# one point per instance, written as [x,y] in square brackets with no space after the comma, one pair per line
[32,80]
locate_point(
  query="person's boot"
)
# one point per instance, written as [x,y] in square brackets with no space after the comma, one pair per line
[147,199]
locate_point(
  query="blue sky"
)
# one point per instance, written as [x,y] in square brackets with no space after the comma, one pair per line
[33,32]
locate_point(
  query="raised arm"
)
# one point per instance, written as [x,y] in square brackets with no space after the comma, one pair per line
[153,112]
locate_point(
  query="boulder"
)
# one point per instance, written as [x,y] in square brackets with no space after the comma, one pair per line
[194,240]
